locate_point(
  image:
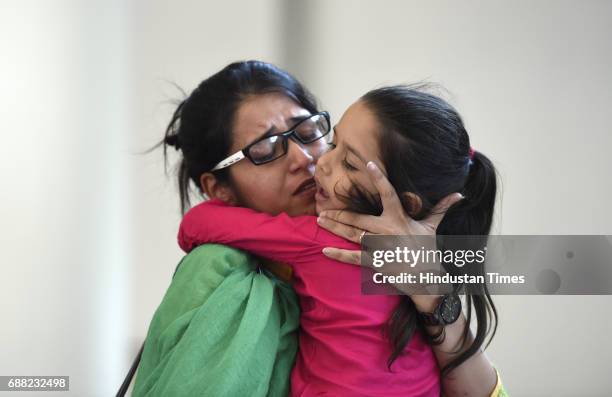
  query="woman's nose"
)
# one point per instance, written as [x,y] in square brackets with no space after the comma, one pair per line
[299,156]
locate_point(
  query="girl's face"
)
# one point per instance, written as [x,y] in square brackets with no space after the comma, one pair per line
[285,184]
[355,142]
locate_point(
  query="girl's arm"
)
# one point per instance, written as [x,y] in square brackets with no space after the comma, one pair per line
[280,238]
[474,377]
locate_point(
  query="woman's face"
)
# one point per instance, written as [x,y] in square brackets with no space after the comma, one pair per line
[356,142]
[285,184]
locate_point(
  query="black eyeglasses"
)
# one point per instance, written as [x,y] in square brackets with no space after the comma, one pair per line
[272,147]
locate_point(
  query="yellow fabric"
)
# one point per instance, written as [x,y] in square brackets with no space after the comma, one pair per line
[499,390]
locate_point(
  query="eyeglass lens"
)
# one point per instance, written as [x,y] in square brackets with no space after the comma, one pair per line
[273,147]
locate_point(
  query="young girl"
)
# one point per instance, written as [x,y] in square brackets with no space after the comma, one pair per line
[352,344]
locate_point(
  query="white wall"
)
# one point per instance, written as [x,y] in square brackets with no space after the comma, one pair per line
[89,224]
[64,258]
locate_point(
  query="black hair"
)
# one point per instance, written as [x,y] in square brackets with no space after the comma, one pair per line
[426,150]
[202,124]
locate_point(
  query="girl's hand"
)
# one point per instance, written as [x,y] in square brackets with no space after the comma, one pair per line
[392,221]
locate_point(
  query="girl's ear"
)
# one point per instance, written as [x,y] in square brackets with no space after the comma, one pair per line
[216,190]
[413,202]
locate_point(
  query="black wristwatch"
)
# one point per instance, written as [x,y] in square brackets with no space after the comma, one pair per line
[447,311]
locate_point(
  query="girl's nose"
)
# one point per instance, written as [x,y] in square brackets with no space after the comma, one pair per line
[323,163]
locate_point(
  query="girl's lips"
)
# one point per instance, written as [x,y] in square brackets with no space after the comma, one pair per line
[321,194]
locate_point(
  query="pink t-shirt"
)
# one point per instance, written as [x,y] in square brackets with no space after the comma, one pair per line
[342,348]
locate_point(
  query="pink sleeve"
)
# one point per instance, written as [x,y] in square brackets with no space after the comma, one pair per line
[281,238]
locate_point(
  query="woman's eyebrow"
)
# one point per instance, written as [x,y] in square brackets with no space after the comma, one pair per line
[296,119]
[292,121]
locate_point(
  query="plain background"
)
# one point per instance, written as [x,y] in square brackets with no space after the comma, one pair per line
[89,224]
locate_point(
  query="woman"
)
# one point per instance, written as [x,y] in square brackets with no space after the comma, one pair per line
[226,330]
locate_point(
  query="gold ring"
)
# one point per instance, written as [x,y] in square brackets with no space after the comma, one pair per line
[361,236]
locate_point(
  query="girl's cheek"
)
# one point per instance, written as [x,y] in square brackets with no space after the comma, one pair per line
[341,189]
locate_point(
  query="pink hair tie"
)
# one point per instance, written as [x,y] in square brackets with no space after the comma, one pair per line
[471,153]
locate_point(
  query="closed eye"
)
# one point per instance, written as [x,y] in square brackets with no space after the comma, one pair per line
[348,165]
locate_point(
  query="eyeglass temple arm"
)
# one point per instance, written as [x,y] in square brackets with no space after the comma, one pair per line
[234,158]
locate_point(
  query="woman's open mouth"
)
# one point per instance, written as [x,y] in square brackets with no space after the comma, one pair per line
[307,187]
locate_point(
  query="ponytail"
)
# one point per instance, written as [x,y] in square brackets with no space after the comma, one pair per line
[473,216]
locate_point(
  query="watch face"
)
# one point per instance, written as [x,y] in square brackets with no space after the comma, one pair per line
[450,308]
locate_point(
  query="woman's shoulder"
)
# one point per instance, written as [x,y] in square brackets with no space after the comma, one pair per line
[213,261]
[202,272]
[217,253]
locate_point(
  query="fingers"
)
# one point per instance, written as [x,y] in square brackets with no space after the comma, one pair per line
[350,224]
[388,196]
[439,210]
[342,255]
[340,229]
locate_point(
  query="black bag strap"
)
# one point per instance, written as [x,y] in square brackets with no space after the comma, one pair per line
[128,378]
